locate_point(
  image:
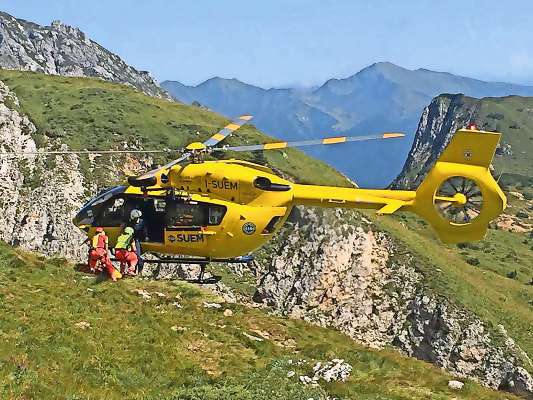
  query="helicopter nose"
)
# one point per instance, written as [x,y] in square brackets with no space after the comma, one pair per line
[78,221]
[83,219]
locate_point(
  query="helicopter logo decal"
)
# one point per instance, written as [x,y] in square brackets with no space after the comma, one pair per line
[248,228]
[223,184]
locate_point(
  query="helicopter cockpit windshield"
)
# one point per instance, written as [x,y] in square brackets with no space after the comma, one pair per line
[92,209]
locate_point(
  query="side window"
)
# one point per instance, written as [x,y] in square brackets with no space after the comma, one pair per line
[215,214]
[185,214]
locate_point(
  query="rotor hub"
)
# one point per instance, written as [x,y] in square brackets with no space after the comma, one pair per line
[459,200]
[196,146]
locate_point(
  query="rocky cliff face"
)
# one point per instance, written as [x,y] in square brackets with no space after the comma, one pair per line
[60,49]
[37,202]
[511,116]
[335,269]
[444,115]
[39,196]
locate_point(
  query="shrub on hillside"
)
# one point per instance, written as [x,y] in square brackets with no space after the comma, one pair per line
[512,274]
[498,116]
[522,214]
[473,261]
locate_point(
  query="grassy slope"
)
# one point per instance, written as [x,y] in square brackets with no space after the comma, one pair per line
[513,116]
[93,114]
[88,113]
[130,348]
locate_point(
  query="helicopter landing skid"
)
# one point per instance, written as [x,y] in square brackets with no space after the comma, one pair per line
[202,262]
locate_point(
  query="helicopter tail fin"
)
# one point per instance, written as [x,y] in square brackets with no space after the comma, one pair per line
[459,196]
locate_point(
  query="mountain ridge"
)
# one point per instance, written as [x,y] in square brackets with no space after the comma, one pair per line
[60,49]
[380,97]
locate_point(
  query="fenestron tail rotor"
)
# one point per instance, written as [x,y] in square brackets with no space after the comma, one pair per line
[459,200]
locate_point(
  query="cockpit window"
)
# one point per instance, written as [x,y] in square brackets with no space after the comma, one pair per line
[216,214]
[113,212]
[194,214]
[93,208]
[113,208]
[106,195]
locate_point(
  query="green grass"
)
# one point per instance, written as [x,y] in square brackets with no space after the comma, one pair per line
[513,117]
[130,349]
[92,114]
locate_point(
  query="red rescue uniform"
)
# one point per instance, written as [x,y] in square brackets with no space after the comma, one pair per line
[98,257]
[125,252]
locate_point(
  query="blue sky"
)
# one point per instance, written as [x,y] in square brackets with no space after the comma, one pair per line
[303,42]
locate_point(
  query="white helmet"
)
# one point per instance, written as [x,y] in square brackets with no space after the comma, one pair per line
[135,214]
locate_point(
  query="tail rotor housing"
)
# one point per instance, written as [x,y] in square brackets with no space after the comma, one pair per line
[459,196]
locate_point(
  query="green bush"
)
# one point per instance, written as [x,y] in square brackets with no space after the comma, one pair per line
[512,274]
[472,261]
[497,116]
[522,214]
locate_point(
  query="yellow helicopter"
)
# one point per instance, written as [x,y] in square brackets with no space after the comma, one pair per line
[223,210]
[228,208]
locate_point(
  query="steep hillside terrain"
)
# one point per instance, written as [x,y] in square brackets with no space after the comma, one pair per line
[379,282]
[381,97]
[66,335]
[60,49]
[388,281]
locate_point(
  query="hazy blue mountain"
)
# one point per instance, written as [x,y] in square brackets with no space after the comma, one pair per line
[278,111]
[381,97]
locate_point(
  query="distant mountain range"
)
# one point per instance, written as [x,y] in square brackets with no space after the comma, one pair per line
[381,97]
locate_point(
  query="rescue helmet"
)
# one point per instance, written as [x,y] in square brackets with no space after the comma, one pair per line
[99,229]
[129,230]
[135,214]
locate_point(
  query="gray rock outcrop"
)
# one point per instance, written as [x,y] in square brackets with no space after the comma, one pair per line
[38,196]
[60,49]
[335,269]
[438,123]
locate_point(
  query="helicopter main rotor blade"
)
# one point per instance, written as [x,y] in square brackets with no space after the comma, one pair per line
[154,172]
[213,140]
[302,143]
[227,130]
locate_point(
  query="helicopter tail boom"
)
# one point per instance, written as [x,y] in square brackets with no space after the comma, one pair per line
[458,197]
[385,201]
